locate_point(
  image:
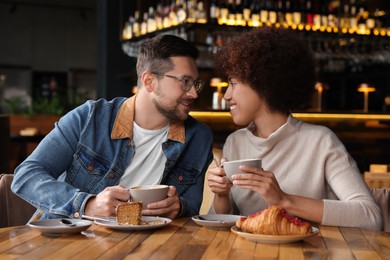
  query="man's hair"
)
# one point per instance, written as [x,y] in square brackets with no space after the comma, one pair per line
[276,63]
[154,54]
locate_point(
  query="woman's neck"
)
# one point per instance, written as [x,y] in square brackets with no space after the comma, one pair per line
[268,123]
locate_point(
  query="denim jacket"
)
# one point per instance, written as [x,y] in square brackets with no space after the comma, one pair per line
[89,150]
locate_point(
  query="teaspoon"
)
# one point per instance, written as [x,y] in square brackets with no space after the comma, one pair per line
[67,222]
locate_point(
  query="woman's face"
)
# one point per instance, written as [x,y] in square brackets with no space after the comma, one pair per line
[244,102]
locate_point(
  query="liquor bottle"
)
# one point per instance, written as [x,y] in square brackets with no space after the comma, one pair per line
[352,20]
[159,17]
[361,21]
[281,12]
[255,13]
[345,19]
[246,11]
[165,15]
[219,40]
[209,42]
[214,12]
[173,17]
[316,15]
[191,11]
[183,34]
[289,14]
[224,12]
[201,16]
[308,15]
[127,32]
[333,20]
[371,21]
[297,12]
[231,13]
[272,7]
[151,20]
[144,24]
[263,12]
[137,24]
[239,13]
[324,14]
[181,11]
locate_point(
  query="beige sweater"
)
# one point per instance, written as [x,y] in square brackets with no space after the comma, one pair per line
[310,161]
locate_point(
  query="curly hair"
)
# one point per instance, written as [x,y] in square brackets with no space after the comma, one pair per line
[276,63]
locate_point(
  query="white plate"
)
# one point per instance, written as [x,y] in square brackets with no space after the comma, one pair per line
[216,221]
[54,227]
[155,222]
[273,239]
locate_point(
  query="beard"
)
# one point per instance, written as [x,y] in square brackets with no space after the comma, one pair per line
[173,112]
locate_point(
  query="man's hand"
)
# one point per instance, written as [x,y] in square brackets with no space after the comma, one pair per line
[105,203]
[169,207]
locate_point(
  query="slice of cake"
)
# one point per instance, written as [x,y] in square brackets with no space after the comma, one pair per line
[129,213]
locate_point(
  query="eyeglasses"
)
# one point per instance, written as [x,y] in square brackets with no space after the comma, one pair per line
[185,83]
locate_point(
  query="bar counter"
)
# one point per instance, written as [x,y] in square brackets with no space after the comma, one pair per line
[184,239]
[221,120]
[365,135]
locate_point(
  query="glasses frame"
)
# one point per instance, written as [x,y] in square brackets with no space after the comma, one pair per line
[197,84]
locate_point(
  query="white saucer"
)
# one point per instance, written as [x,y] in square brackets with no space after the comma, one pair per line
[54,227]
[216,221]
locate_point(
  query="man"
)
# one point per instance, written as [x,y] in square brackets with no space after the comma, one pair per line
[97,151]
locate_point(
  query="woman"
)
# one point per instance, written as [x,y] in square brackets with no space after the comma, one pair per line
[305,168]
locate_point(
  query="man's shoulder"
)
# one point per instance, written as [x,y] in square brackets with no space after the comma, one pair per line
[101,104]
[196,128]
[104,101]
[191,122]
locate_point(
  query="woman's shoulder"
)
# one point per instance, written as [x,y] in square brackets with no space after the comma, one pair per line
[315,130]
[238,134]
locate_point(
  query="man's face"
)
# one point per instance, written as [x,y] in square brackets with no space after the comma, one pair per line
[170,99]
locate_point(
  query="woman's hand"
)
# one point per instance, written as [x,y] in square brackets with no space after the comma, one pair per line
[218,182]
[220,185]
[260,181]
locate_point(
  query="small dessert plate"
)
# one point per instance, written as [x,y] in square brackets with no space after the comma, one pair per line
[216,221]
[149,223]
[54,227]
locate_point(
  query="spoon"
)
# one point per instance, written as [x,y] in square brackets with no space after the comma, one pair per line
[67,222]
[101,218]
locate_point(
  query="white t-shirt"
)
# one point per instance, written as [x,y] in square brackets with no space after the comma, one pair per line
[148,163]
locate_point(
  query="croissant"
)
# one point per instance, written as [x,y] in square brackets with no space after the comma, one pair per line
[273,221]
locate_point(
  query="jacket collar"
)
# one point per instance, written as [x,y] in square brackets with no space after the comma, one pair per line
[123,125]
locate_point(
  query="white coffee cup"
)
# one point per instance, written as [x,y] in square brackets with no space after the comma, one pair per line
[233,167]
[148,193]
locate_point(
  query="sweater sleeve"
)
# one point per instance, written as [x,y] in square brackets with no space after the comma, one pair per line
[355,206]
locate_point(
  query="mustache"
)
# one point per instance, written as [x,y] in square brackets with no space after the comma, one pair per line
[187,100]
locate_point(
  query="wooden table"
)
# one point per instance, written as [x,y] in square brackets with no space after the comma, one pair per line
[184,239]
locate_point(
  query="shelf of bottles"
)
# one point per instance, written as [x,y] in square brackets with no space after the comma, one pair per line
[342,18]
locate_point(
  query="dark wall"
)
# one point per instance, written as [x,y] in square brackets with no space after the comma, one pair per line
[115,70]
